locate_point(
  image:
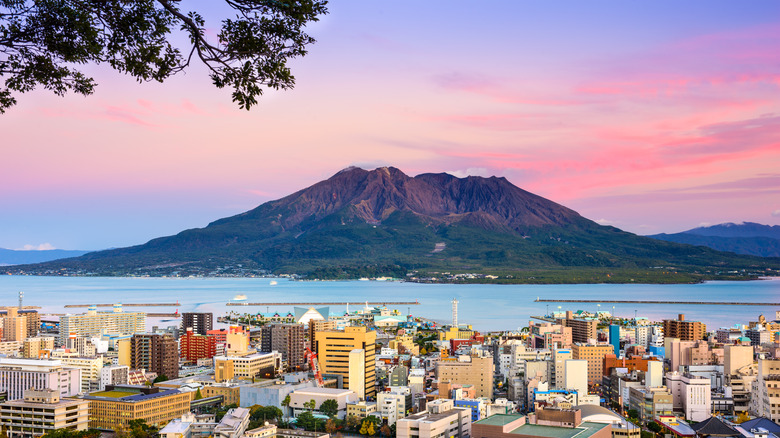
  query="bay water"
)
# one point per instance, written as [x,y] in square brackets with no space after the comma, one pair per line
[487,307]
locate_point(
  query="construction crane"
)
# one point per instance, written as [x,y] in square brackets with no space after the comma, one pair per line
[315,367]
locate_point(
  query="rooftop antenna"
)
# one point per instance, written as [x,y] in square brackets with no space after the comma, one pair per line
[455,312]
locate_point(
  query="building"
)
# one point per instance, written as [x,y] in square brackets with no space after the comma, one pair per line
[548,335]
[320,395]
[18,375]
[468,370]
[333,352]
[94,323]
[394,404]
[14,325]
[114,408]
[614,338]
[90,367]
[287,339]
[684,330]
[233,424]
[41,411]
[319,325]
[200,323]
[361,409]
[621,428]
[231,393]
[594,354]
[252,366]
[441,419]
[114,375]
[193,347]
[556,367]
[650,403]
[582,330]
[758,336]
[765,394]
[34,348]
[270,392]
[632,363]
[558,423]
[155,353]
[690,395]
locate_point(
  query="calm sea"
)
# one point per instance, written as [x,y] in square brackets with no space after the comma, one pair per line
[486,307]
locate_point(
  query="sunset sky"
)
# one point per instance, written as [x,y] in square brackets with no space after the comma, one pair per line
[649,116]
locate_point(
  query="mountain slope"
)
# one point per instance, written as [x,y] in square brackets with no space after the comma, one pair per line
[746,238]
[384,219]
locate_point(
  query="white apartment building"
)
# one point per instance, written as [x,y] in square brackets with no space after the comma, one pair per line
[392,405]
[94,323]
[765,394]
[691,395]
[18,375]
[441,419]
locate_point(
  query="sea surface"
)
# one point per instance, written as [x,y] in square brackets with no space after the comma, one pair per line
[486,307]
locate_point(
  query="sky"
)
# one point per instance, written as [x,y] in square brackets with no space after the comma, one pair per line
[650,116]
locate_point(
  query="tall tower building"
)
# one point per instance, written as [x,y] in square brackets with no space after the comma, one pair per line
[333,352]
[287,339]
[200,323]
[14,326]
[155,353]
[454,312]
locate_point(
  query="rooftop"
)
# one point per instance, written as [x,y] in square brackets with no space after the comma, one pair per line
[584,430]
[499,419]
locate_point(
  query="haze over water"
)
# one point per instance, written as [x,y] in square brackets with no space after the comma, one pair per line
[486,307]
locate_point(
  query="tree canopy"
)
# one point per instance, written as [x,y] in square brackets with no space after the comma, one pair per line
[43,42]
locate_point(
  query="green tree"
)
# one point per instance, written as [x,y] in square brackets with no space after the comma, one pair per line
[198,395]
[42,42]
[161,377]
[306,420]
[311,404]
[329,407]
[654,427]
[385,430]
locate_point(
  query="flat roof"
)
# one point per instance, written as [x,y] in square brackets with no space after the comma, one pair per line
[323,391]
[499,419]
[584,430]
[129,395]
[63,402]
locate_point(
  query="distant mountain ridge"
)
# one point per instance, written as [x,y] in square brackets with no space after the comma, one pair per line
[368,221]
[20,257]
[747,238]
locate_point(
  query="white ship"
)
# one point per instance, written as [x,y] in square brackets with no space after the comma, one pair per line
[239,297]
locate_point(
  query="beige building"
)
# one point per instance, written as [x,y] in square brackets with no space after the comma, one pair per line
[459,332]
[94,323]
[736,357]
[468,370]
[357,372]
[114,408]
[441,419]
[33,348]
[42,411]
[14,326]
[594,354]
[11,348]
[90,367]
[257,365]
[582,330]
[361,409]
[333,352]
[765,394]
[405,342]
[684,330]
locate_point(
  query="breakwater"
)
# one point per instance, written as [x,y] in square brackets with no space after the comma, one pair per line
[708,303]
[328,303]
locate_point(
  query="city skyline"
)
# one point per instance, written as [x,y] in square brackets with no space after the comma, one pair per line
[652,118]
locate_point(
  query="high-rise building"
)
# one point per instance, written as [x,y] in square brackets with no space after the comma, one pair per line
[193,346]
[200,323]
[33,320]
[614,338]
[90,368]
[594,354]
[34,347]
[476,370]
[287,339]
[42,411]
[333,349]
[251,366]
[319,325]
[17,375]
[94,323]
[14,326]
[582,330]
[155,353]
[684,330]
[765,395]
[575,376]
